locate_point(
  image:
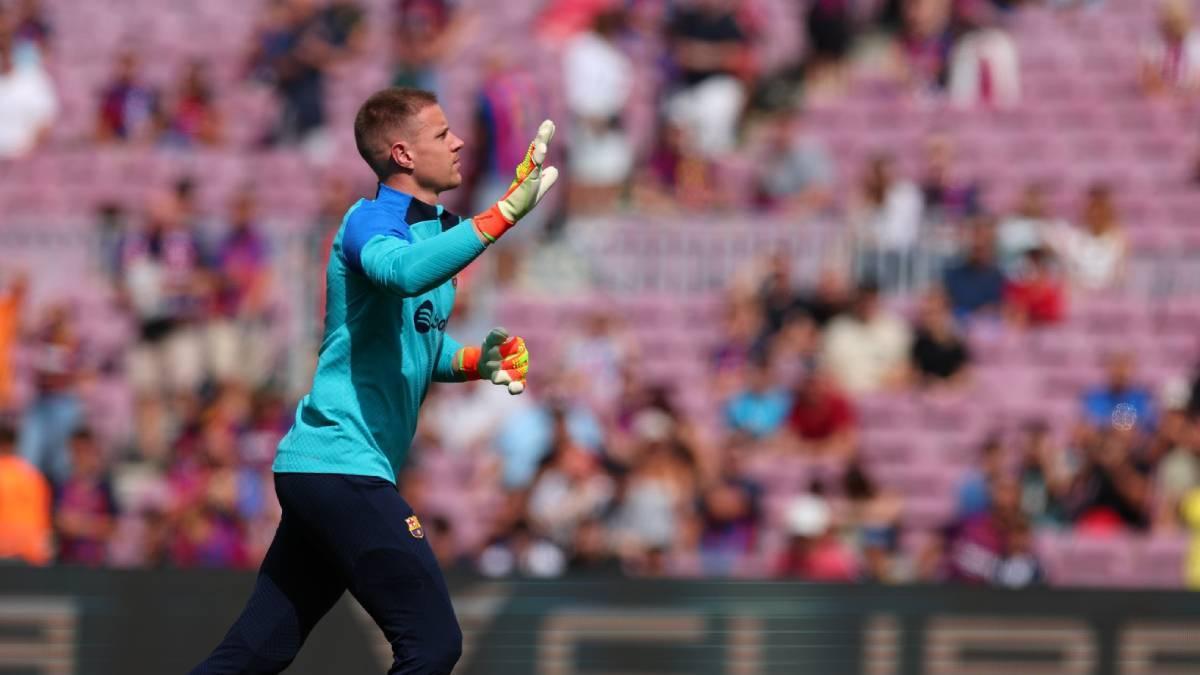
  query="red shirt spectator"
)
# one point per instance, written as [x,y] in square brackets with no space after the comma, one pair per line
[821,412]
[1036,297]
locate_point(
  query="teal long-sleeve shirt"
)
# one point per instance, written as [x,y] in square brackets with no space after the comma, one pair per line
[389,292]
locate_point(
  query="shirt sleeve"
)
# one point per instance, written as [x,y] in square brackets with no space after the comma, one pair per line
[443,370]
[383,251]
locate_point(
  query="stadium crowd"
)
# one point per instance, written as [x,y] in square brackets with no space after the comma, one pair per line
[598,467]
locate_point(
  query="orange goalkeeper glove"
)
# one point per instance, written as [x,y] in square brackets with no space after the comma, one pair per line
[501,360]
[532,182]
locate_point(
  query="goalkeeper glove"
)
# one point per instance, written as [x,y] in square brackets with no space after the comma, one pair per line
[501,360]
[532,182]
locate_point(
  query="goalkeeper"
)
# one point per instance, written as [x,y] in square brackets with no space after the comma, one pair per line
[389,293]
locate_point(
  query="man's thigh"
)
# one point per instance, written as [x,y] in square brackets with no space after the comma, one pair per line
[388,564]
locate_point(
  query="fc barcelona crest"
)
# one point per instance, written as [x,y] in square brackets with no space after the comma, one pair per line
[414,527]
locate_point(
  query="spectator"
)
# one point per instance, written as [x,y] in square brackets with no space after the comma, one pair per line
[887,217]
[940,355]
[947,196]
[1110,492]
[710,51]
[822,417]
[830,29]
[598,77]
[161,282]
[28,104]
[32,30]
[591,551]
[518,550]
[975,285]
[1120,402]
[974,492]
[571,488]
[993,547]
[1094,255]
[1029,226]
[984,66]
[1177,475]
[657,499]
[729,517]
[25,504]
[592,358]
[56,409]
[424,32]
[777,295]
[191,116]
[814,551]
[1037,295]
[1171,62]
[828,299]
[873,520]
[129,109]
[921,54]
[292,51]
[795,171]
[12,309]
[238,331]
[85,507]
[867,350]
[1044,476]
[345,28]
[761,407]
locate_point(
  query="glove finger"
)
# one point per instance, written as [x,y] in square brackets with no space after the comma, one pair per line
[549,176]
[545,134]
[515,388]
[495,338]
[502,377]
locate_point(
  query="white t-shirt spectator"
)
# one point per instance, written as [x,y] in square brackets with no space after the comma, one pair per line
[862,355]
[1092,260]
[1177,65]
[896,224]
[984,70]
[598,77]
[27,106]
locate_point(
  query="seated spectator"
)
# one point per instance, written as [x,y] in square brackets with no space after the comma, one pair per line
[994,547]
[570,488]
[777,294]
[1094,254]
[292,51]
[974,490]
[867,349]
[85,507]
[345,28]
[984,66]
[517,549]
[814,551]
[822,417]
[1171,61]
[975,285]
[729,516]
[795,170]
[238,333]
[48,421]
[25,503]
[828,299]
[1110,491]
[873,518]
[191,116]
[12,311]
[599,80]
[830,28]
[28,104]
[947,196]
[32,29]
[1029,226]
[710,47]
[1177,475]
[1044,476]
[1120,402]
[424,32]
[1036,295]
[761,407]
[129,108]
[886,217]
[940,355]
[658,498]
[921,54]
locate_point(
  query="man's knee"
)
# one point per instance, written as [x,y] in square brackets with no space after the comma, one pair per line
[236,657]
[434,655]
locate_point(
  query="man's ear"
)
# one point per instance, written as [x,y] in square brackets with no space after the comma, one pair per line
[400,155]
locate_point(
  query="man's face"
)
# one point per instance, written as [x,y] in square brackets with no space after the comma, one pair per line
[433,151]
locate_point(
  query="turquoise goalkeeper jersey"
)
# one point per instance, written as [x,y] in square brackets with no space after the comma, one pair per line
[389,292]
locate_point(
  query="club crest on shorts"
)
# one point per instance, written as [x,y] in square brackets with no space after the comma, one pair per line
[414,527]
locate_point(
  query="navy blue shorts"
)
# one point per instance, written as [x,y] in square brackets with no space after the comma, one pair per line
[342,533]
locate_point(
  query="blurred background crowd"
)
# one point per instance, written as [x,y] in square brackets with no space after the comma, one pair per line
[836,290]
